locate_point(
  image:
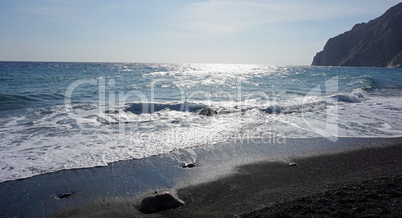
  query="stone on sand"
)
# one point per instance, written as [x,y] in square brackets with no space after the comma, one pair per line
[160,201]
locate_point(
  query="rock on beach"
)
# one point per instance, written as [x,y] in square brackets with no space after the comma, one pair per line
[160,201]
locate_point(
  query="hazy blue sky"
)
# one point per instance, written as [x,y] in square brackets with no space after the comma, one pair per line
[262,32]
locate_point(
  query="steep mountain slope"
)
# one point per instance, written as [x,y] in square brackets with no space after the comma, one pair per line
[377,43]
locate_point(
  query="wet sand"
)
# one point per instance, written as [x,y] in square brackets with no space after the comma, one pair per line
[233,180]
[254,188]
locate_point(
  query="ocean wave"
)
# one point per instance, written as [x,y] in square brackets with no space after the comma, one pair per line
[370,85]
[141,108]
[7,98]
[357,96]
[298,108]
[12,102]
[4,98]
[149,108]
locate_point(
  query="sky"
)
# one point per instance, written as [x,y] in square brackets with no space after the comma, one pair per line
[275,32]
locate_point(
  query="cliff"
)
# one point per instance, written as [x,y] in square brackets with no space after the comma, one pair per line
[377,43]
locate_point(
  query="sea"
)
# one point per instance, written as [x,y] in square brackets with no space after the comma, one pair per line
[60,116]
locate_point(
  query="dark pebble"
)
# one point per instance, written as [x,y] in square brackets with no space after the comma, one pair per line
[190,165]
[65,195]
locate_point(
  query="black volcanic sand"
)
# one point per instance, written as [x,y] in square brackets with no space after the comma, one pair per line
[375,197]
[364,182]
[361,182]
[237,179]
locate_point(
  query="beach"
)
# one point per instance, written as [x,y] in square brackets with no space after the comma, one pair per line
[200,109]
[223,184]
[254,188]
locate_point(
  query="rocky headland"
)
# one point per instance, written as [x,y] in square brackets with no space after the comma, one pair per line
[377,43]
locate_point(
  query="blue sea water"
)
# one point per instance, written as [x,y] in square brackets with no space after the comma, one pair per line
[57,116]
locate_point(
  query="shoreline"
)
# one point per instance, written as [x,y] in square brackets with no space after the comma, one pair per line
[244,176]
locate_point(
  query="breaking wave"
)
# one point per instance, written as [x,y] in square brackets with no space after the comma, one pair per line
[357,96]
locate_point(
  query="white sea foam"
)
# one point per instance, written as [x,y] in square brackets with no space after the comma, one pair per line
[54,141]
